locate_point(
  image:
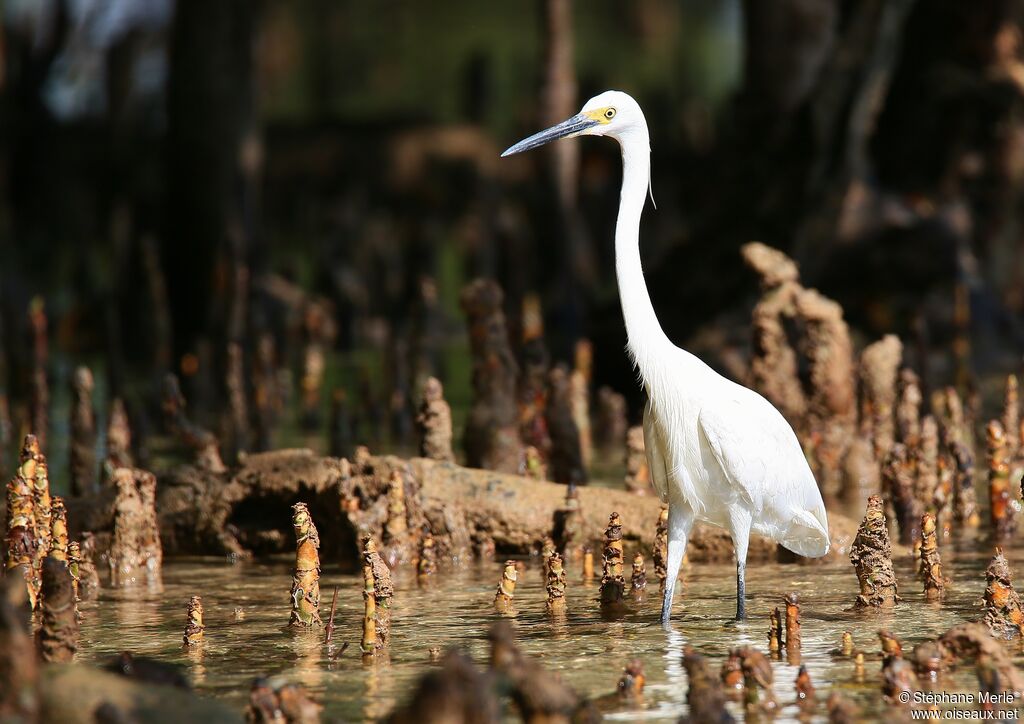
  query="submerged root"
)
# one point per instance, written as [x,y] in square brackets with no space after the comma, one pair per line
[805,695]
[971,641]
[539,695]
[283,704]
[631,684]
[704,696]
[757,681]
[455,692]
[899,682]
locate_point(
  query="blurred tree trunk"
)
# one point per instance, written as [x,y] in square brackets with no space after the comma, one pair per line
[210,158]
[559,95]
[799,150]
[559,101]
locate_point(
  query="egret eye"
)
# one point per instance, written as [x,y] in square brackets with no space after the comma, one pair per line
[609,114]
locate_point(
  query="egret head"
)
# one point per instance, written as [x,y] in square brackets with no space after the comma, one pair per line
[612,113]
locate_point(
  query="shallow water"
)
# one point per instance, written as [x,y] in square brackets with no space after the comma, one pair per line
[455,609]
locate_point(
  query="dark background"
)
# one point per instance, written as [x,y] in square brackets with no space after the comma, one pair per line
[174,174]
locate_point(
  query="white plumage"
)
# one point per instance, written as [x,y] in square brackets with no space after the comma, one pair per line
[718,452]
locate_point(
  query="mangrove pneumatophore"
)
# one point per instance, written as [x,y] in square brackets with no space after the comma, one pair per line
[1003,613]
[613,582]
[660,549]
[82,455]
[773,364]
[538,694]
[20,539]
[58,635]
[194,626]
[871,555]
[119,438]
[565,456]
[19,695]
[579,398]
[135,554]
[434,423]
[638,577]
[505,595]
[793,638]
[638,475]
[931,562]
[369,642]
[611,421]
[1001,496]
[568,528]
[383,589]
[491,438]
[46,523]
[305,593]
[879,368]
[757,682]
[58,538]
[555,585]
[201,442]
[775,631]
[704,696]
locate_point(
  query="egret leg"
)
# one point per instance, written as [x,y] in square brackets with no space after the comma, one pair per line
[680,521]
[740,541]
[741,591]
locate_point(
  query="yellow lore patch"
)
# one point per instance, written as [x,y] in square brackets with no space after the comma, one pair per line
[601,115]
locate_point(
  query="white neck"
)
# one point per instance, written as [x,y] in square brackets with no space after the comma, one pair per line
[647,342]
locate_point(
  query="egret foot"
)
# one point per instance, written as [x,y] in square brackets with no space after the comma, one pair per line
[741,590]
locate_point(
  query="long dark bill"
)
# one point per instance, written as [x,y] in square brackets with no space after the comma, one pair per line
[570,127]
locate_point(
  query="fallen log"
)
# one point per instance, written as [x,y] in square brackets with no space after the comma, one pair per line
[246,511]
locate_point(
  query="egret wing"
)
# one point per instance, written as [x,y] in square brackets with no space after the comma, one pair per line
[761,458]
[655,455]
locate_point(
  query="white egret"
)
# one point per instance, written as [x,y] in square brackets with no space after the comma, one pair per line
[718,452]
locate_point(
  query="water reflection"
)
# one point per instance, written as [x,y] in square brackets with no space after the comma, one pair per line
[457,609]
